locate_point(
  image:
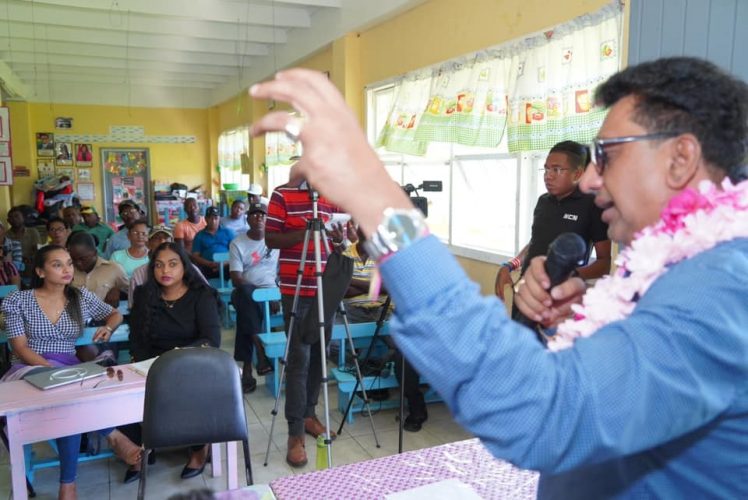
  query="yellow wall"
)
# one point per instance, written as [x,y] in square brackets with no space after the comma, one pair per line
[185,163]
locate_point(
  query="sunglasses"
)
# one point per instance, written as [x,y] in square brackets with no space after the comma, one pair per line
[111,374]
[599,158]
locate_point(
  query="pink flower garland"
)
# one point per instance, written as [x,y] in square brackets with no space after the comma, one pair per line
[692,222]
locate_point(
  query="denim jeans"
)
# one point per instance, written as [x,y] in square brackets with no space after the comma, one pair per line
[303,368]
[68,448]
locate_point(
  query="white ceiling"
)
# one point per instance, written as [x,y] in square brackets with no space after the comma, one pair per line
[165,53]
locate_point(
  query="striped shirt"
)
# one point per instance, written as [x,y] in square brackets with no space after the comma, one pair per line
[289,210]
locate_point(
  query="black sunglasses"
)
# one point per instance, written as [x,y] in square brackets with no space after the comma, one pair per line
[599,158]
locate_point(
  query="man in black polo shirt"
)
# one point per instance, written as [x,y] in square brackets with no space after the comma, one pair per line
[564,208]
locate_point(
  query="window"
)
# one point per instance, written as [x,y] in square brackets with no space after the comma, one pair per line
[233,155]
[485,209]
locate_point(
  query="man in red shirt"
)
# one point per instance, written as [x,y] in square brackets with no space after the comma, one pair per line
[289,210]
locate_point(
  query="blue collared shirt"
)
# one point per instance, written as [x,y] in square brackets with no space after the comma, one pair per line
[207,244]
[654,406]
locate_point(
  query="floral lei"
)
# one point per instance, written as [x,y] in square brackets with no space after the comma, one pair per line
[692,222]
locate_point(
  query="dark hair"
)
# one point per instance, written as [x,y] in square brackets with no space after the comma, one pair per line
[242,201]
[578,154]
[687,95]
[57,219]
[127,203]
[149,293]
[15,209]
[72,294]
[83,239]
[137,223]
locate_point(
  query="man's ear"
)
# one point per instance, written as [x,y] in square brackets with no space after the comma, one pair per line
[685,161]
[578,172]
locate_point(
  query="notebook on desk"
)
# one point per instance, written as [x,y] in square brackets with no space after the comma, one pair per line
[49,378]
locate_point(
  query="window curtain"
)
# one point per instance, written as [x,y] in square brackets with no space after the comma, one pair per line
[557,74]
[279,149]
[538,89]
[233,152]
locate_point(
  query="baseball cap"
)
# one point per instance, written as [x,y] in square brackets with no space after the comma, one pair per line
[127,204]
[254,189]
[257,207]
[212,212]
[88,211]
[159,228]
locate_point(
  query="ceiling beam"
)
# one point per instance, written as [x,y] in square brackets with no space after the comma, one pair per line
[44,79]
[12,84]
[102,12]
[27,72]
[252,45]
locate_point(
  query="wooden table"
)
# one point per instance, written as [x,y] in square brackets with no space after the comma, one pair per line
[467,461]
[33,415]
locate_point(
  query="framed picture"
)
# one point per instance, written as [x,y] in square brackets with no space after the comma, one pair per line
[63,153]
[45,167]
[67,171]
[45,144]
[6,172]
[86,191]
[63,122]
[84,174]
[83,155]
[125,175]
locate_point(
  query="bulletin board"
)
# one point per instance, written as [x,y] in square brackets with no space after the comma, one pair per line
[126,176]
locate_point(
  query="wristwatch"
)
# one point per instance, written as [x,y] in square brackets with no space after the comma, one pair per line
[398,230]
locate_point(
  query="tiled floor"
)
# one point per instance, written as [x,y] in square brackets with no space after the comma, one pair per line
[102,479]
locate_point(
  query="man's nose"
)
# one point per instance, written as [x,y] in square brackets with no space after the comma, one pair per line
[590,181]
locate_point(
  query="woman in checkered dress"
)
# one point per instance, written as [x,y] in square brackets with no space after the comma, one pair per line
[43,324]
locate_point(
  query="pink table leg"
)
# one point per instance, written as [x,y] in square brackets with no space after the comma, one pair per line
[215,463]
[17,462]
[231,465]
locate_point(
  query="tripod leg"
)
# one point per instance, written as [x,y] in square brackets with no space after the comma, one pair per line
[359,378]
[292,322]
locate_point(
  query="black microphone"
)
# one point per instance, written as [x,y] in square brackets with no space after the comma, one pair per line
[565,254]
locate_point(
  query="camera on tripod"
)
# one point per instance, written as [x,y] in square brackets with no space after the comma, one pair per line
[421,202]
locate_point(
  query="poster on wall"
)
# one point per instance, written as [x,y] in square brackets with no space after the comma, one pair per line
[63,153]
[84,174]
[4,124]
[125,176]
[86,191]
[6,172]
[45,167]
[45,144]
[83,155]
[67,172]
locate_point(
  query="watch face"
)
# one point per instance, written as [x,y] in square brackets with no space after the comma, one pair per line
[404,228]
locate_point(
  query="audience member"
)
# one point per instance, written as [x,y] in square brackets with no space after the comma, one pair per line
[129,212]
[28,237]
[11,248]
[237,220]
[254,194]
[211,240]
[105,279]
[137,254]
[290,208]
[72,217]
[186,230]
[94,226]
[252,265]
[43,324]
[172,309]
[58,231]
[9,274]
[643,393]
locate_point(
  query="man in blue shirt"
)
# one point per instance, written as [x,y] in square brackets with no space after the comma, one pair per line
[651,406]
[211,240]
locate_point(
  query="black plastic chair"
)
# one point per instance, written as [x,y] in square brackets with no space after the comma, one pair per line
[193,396]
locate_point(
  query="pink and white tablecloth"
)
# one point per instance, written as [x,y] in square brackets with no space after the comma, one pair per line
[467,461]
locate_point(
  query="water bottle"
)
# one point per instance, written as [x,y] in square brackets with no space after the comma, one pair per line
[321,453]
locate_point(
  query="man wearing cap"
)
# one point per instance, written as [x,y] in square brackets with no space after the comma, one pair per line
[254,194]
[210,241]
[236,221]
[94,226]
[251,265]
[129,212]
[186,230]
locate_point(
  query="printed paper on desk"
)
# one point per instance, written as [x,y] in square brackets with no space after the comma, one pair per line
[442,490]
[142,367]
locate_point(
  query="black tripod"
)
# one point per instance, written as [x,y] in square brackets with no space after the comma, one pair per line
[314,226]
[359,381]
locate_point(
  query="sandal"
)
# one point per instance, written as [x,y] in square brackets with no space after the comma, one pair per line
[264,368]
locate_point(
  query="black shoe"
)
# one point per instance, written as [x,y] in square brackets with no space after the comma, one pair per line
[152,457]
[248,386]
[413,423]
[131,475]
[189,472]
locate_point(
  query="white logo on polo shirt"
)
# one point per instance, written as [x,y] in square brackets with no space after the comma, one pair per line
[571,217]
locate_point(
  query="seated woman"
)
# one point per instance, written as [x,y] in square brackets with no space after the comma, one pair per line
[57,232]
[137,254]
[43,324]
[174,308]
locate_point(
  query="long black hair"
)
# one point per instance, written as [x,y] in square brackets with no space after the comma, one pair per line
[148,295]
[72,294]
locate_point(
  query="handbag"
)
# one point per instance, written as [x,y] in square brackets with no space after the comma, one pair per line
[335,281]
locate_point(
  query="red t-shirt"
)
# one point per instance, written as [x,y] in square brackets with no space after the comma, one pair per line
[289,210]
